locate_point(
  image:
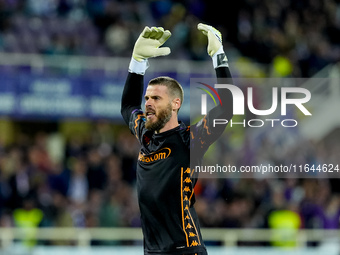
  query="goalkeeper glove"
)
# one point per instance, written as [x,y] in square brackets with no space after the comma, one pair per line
[215,48]
[148,43]
[148,46]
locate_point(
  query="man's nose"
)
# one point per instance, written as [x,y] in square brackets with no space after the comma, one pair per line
[148,102]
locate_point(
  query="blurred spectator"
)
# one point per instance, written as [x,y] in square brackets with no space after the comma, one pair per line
[58,179]
[117,39]
[78,184]
[96,175]
[28,217]
[329,214]
[127,149]
[20,185]
[287,223]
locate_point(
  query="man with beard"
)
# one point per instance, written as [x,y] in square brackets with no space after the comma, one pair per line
[165,180]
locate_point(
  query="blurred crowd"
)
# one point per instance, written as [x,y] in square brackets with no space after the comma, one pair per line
[291,38]
[256,200]
[94,185]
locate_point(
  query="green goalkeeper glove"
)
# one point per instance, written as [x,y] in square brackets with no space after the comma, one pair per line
[148,43]
[215,48]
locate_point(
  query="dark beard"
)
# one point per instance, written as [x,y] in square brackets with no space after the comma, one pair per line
[162,118]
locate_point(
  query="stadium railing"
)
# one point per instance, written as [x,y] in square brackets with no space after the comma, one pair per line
[227,237]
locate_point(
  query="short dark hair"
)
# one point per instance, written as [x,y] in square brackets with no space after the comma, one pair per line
[175,89]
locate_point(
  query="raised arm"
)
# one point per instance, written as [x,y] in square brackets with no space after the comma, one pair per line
[146,46]
[132,95]
[204,129]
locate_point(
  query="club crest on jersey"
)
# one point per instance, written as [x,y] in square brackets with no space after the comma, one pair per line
[155,156]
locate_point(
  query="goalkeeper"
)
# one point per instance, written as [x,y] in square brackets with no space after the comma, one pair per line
[165,181]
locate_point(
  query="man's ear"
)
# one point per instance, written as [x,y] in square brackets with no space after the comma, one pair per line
[176,104]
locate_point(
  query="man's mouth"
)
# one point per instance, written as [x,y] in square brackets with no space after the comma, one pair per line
[150,114]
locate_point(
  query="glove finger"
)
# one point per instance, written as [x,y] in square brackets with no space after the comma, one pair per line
[210,32]
[154,32]
[212,35]
[146,32]
[165,36]
[162,51]
[204,28]
[159,33]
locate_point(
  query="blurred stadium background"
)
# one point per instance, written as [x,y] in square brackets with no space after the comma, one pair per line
[67,162]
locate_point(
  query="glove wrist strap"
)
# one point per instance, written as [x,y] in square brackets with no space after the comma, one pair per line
[138,67]
[219,58]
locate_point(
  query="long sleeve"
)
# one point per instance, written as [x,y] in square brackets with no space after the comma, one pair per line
[226,110]
[132,95]
[204,133]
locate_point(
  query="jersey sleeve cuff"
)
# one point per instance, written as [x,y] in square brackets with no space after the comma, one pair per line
[138,67]
[220,59]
